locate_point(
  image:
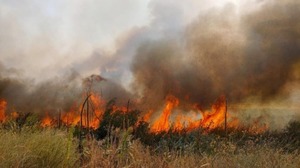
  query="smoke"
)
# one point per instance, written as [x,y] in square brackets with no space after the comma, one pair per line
[24,95]
[242,55]
[47,49]
[46,39]
[59,94]
[196,50]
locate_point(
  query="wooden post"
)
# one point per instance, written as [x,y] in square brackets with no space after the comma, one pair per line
[59,118]
[87,116]
[127,111]
[80,147]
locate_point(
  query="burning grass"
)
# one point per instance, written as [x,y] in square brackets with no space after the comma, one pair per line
[124,139]
[171,117]
[35,146]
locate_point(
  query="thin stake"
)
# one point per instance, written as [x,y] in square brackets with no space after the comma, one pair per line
[87,116]
[80,147]
[59,118]
[127,111]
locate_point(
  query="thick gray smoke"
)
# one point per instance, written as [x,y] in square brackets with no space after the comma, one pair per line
[56,95]
[196,50]
[224,52]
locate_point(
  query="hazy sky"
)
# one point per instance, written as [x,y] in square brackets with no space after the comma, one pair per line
[42,37]
[45,39]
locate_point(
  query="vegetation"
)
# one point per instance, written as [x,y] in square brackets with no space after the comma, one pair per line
[37,148]
[123,141]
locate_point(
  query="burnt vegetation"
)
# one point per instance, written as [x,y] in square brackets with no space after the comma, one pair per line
[200,140]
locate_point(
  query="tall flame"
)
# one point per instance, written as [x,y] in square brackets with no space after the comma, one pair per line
[216,117]
[209,119]
[162,123]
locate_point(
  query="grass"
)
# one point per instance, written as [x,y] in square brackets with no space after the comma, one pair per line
[228,156]
[39,148]
[36,147]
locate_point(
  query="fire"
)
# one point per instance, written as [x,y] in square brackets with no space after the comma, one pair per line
[171,118]
[91,119]
[210,119]
[98,105]
[70,118]
[46,121]
[147,116]
[216,117]
[14,115]
[162,123]
[3,104]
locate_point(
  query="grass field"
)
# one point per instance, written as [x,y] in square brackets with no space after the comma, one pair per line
[50,147]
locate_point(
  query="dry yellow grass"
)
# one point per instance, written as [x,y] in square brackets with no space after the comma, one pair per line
[47,148]
[137,156]
[55,148]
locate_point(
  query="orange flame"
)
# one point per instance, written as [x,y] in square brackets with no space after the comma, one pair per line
[216,117]
[70,118]
[168,120]
[210,120]
[98,105]
[3,104]
[46,121]
[162,123]
[73,116]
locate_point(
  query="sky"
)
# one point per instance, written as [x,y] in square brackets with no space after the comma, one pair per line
[41,40]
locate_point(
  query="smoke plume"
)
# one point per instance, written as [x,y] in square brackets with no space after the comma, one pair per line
[241,55]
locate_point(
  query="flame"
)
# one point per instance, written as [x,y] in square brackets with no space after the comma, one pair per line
[216,117]
[98,105]
[46,121]
[171,118]
[210,119]
[147,116]
[162,123]
[3,104]
[72,117]
[178,123]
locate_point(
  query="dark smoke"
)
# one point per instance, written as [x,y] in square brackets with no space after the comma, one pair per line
[24,95]
[223,53]
[56,95]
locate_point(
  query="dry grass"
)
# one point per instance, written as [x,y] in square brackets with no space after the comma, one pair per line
[134,154]
[139,156]
[47,148]
[54,148]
